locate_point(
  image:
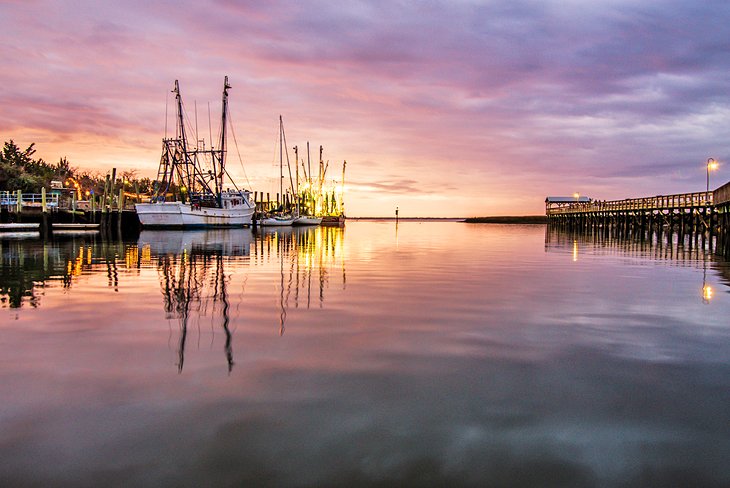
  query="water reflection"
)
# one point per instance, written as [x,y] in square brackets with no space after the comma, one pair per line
[307,257]
[194,281]
[191,268]
[454,355]
[655,248]
[29,265]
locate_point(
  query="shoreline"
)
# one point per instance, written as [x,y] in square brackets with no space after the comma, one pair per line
[525,219]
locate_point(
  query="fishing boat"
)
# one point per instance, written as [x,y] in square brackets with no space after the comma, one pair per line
[191,183]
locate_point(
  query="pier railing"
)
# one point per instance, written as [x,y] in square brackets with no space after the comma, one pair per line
[657,203]
[11,200]
[722,194]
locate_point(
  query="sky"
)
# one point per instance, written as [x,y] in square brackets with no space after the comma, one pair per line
[440,108]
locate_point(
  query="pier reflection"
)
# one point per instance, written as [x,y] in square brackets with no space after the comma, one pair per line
[653,246]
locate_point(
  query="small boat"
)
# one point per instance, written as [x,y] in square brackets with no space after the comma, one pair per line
[333,220]
[190,193]
[277,221]
[307,220]
[281,216]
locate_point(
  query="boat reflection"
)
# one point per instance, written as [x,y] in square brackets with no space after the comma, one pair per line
[193,279]
[196,270]
[308,258]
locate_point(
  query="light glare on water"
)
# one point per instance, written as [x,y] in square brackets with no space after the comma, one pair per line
[422,354]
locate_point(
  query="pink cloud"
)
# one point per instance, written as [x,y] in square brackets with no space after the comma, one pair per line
[512,100]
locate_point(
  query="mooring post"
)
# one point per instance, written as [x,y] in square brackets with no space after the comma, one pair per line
[19,206]
[120,210]
[45,227]
[113,185]
[103,216]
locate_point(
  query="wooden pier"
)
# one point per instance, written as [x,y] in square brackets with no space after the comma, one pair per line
[679,218]
[46,214]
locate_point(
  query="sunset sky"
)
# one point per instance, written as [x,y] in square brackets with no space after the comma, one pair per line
[441,108]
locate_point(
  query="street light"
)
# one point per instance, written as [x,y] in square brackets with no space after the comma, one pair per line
[711,165]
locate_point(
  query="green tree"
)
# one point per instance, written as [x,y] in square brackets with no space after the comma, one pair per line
[20,171]
[14,163]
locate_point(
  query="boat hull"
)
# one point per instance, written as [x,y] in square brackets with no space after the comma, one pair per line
[307,220]
[276,222]
[334,220]
[178,215]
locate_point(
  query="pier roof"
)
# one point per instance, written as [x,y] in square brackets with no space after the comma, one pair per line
[566,199]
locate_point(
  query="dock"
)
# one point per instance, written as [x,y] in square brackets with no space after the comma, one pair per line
[700,216]
[36,227]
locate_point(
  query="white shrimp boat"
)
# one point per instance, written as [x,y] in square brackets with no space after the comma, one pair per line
[234,212]
[190,191]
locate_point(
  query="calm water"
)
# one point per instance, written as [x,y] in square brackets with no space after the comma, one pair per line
[428,354]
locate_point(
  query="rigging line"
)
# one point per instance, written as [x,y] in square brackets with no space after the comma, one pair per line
[167,99]
[189,124]
[235,142]
[276,147]
[286,149]
[210,131]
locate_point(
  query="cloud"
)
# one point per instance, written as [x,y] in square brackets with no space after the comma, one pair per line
[435,89]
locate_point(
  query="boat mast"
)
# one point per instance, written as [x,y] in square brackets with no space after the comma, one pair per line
[218,171]
[320,177]
[186,178]
[288,163]
[296,166]
[309,166]
[281,161]
[342,192]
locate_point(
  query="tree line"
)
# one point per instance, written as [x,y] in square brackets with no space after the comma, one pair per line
[19,170]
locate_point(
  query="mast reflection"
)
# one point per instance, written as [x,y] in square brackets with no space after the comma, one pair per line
[308,257]
[193,280]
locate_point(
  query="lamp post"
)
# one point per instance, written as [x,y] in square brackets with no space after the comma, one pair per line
[711,165]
